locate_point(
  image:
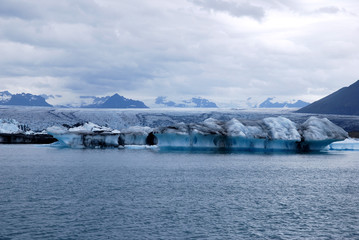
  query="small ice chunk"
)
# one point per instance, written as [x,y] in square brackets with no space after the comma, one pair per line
[349,144]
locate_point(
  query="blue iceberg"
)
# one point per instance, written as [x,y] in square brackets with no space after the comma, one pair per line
[269,134]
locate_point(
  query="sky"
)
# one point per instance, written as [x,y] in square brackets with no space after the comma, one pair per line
[222,50]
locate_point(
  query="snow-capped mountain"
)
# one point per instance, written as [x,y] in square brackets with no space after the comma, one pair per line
[114,101]
[92,100]
[271,103]
[197,102]
[22,99]
[261,102]
[5,97]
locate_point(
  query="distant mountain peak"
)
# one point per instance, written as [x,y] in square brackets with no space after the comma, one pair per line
[270,103]
[5,93]
[22,99]
[114,101]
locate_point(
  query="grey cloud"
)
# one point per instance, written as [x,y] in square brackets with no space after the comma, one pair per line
[244,9]
[18,9]
[173,48]
[333,10]
[330,10]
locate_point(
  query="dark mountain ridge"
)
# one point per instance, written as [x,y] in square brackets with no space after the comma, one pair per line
[22,99]
[345,101]
[268,103]
[116,101]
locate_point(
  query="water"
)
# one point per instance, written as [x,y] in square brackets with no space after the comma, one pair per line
[49,193]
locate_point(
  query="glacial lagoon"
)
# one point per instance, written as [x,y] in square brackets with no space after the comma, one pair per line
[63,193]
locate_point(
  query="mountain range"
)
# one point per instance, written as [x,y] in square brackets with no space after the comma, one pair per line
[27,99]
[118,101]
[269,103]
[345,101]
[197,102]
[22,99]
[114,101]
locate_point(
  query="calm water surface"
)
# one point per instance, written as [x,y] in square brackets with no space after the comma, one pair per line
[50,193]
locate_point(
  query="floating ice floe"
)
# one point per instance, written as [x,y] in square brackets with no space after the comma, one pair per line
[349,144]
[269,134]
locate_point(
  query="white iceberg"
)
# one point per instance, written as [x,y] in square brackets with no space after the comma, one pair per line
[349,144]
[87,135]
[9,126]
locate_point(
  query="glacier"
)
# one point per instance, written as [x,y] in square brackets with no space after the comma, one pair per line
[268,134]
[40,118]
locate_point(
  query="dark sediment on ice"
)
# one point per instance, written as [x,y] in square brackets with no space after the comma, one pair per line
[20,138]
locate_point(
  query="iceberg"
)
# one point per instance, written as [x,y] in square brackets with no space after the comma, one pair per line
[90,135]
[10,126]
[318,133]
[87,135]
[348,144]
[268,134]
[12,132]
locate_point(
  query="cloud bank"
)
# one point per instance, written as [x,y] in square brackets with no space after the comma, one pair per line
[221,50]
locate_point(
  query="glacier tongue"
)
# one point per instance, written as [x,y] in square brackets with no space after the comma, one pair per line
[269,134]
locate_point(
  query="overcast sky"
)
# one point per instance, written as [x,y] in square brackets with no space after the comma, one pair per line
[223,50]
